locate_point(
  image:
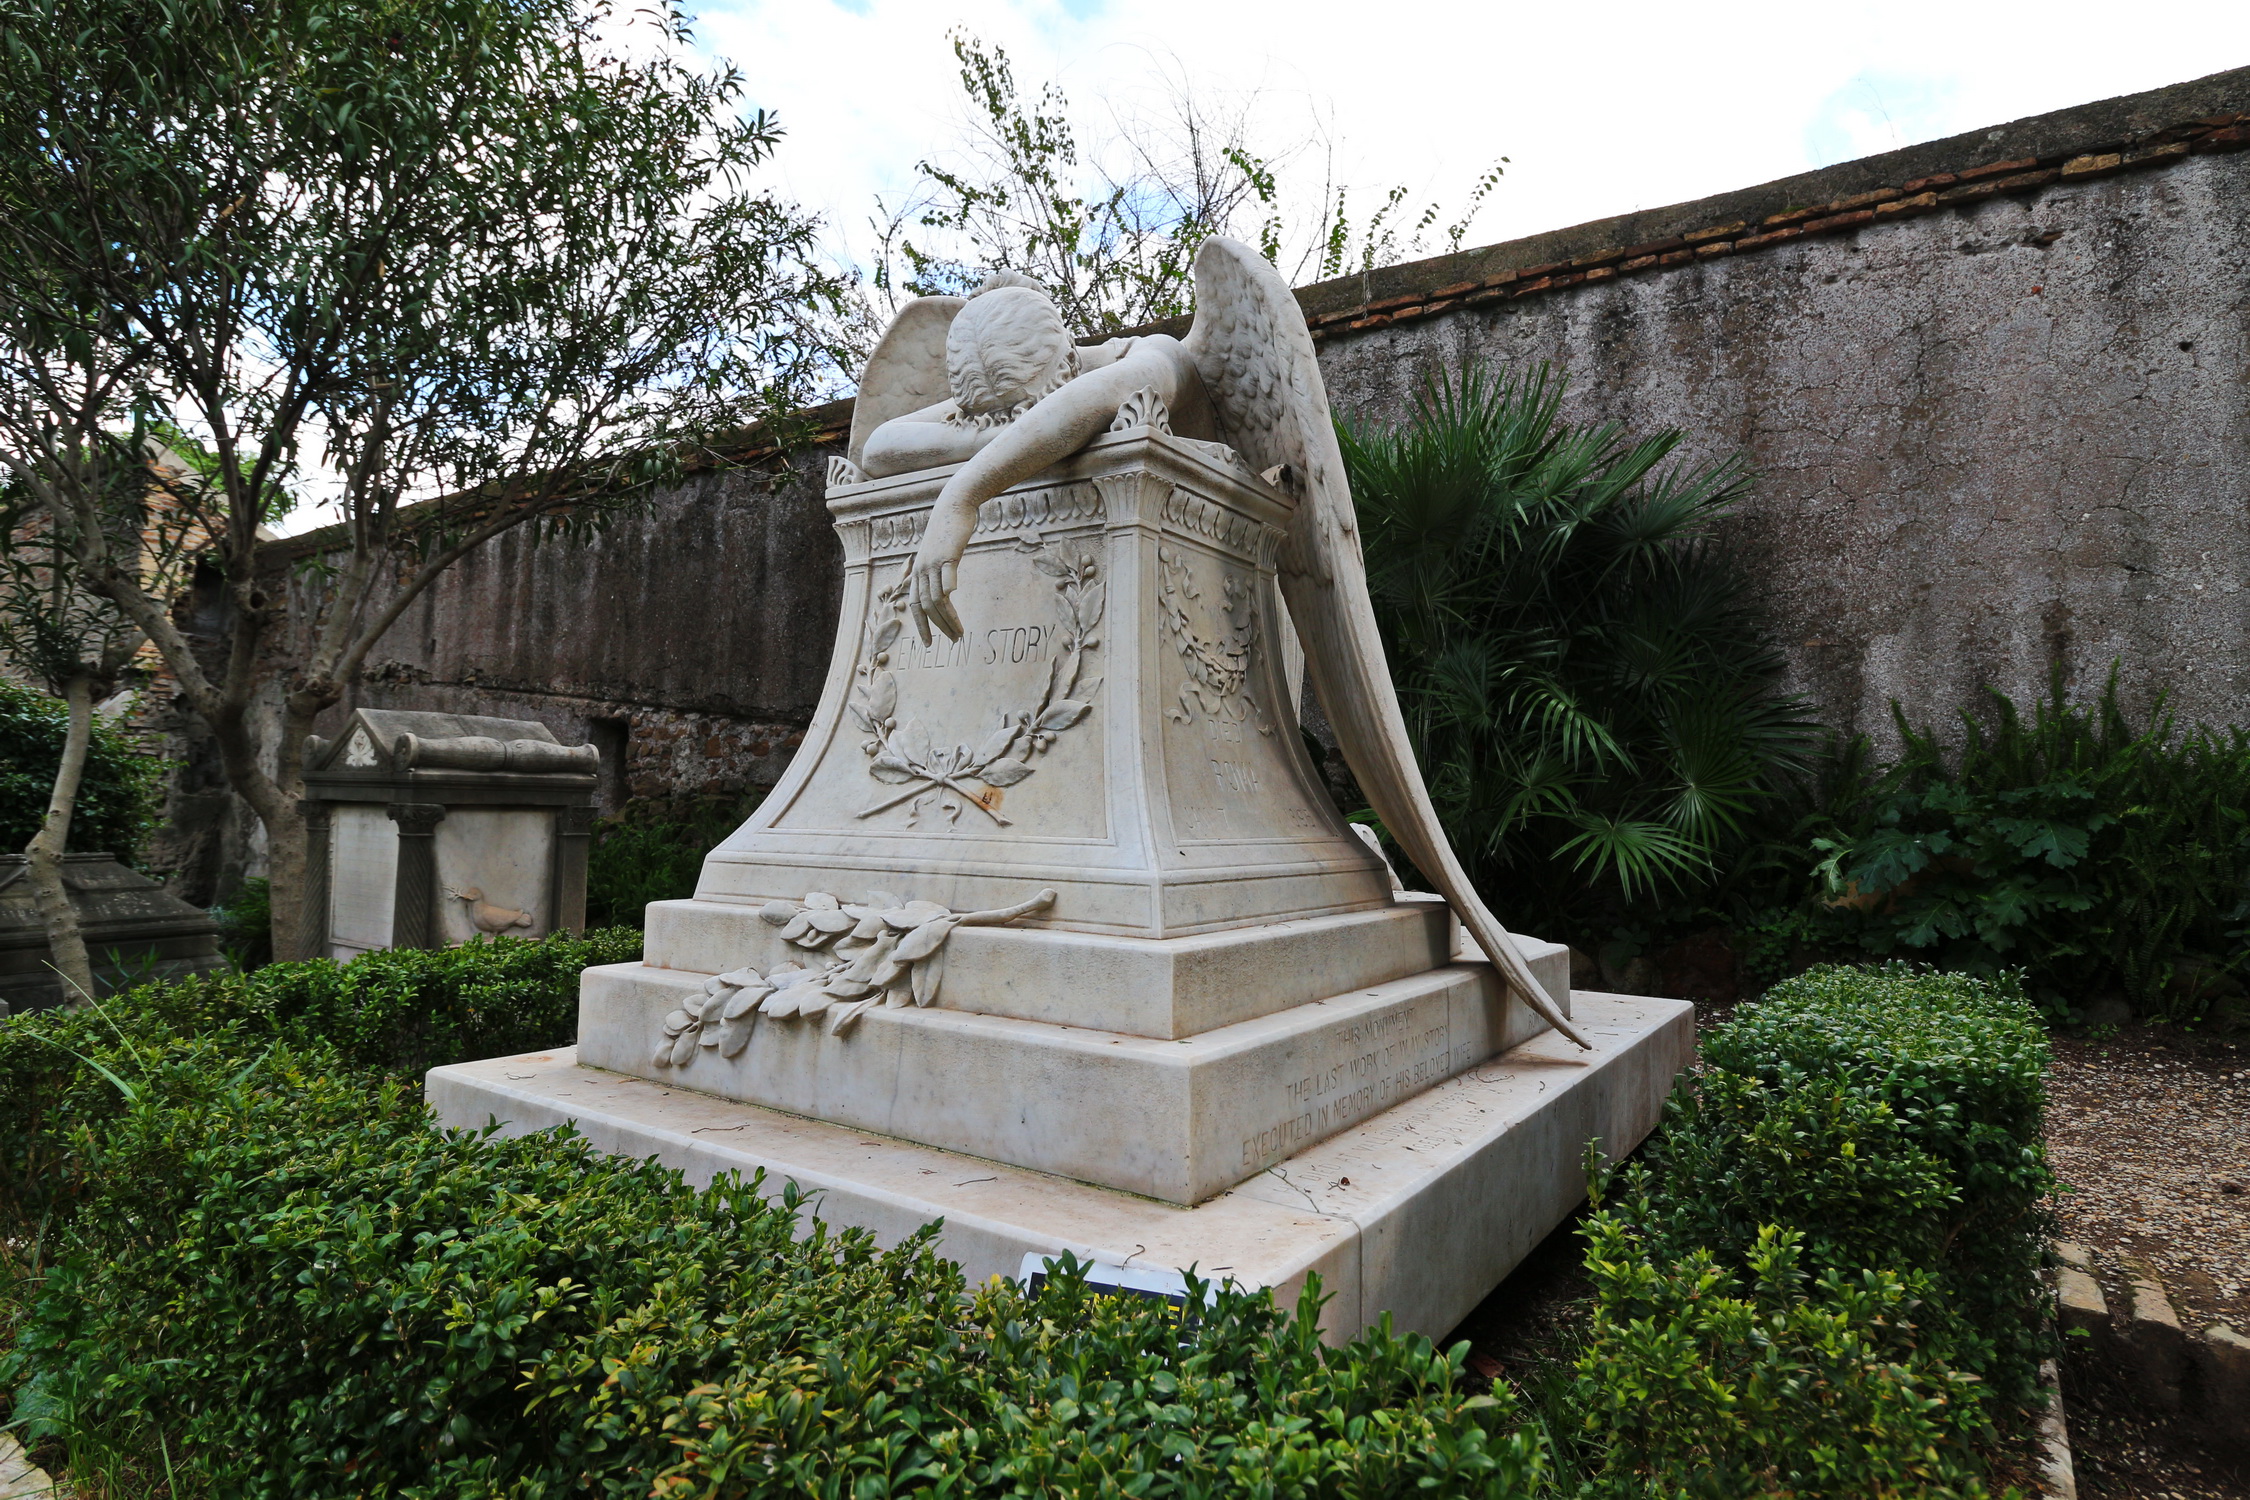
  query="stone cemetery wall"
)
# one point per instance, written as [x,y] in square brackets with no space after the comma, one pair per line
[688,642]
[1997,389]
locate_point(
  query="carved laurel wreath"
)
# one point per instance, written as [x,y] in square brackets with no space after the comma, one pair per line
[904,755]
[884,951]
[1218,670]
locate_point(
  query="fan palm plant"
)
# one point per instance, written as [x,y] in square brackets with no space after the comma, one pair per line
[1586,682]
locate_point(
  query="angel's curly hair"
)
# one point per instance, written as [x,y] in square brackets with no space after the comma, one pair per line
[1006,349]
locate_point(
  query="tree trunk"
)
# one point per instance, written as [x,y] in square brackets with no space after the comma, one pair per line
[288,852]
[285,872]
[65,944]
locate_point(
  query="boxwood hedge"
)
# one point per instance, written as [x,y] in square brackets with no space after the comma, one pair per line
[1896,1117]
[398,1012]
[281,1266]
[238,1238]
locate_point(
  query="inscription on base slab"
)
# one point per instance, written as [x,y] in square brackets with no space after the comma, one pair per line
[1386,1058]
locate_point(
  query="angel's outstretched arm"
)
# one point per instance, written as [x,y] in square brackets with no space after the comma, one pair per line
[919,440]
[1050,432]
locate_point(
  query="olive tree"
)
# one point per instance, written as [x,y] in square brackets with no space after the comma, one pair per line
[504,256]
[72,640]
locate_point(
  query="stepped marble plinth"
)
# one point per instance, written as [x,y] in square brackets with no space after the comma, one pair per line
[1180,1119]
[1160,987]
[1059,914]
[1417,1210]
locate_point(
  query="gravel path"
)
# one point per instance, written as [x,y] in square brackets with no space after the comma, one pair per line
[2152,1134]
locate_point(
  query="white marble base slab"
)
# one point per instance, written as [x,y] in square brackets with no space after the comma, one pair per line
[1418,1211]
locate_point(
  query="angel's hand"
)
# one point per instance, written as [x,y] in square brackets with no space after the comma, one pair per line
[936,571]
[931,602]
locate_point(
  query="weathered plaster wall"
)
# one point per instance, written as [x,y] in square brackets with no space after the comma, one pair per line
[1991,439]
[693,637]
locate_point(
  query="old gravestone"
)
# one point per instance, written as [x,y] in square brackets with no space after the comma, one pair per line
[135,931]
[430,829]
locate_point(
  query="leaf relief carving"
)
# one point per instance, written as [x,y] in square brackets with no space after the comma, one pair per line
[951,779]
[880,951]
[1217,660]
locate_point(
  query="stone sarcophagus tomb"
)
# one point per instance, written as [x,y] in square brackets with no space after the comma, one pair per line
[135,931]
[430,829]
[1050,929]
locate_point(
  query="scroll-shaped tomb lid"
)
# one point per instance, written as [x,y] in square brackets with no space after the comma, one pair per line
[384,742]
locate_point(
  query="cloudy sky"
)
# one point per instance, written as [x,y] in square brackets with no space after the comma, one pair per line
[1601,108]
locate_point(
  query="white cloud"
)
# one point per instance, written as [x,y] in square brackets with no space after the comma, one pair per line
[1603,110]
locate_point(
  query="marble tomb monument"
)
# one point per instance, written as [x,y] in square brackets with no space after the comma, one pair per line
[431,829]
[1050,929]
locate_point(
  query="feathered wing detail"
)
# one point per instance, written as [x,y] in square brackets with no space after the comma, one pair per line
[1255,355]
[907,370]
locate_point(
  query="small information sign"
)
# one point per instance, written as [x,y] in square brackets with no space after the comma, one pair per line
[1168,1287]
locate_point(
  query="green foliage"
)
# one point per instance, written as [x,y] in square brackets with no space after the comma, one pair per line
[406,1010]
[510,253]
[1700,1382]
[246,925]
[281,1269]
[1112,235]
[397,1013]
[471,241]
[639,859]
[2097,855]
[1893,1118]
[1823,1279]
[1072,1393]
[1591,696]
[257,1262]
[118,800]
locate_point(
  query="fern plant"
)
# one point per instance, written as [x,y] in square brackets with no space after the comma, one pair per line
[2100,855]
[1586,682]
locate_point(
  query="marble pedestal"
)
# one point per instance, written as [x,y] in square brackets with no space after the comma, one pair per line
[1121,618]
[1199,1027]
[1417,1211]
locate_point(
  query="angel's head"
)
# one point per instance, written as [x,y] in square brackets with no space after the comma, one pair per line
[1007,348]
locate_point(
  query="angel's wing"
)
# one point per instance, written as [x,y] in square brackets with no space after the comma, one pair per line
[1255,354]
[907,370]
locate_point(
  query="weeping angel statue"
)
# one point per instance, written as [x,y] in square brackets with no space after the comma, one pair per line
[1022,395]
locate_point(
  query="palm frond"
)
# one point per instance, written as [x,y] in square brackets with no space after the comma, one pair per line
[1638,854]
[1589,686]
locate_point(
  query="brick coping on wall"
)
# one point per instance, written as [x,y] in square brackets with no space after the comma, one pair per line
[2136,132]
